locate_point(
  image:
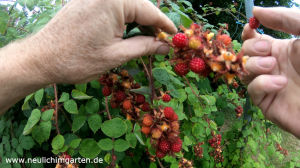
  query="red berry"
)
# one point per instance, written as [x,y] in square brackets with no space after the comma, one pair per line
[67,158]
[113,104]
[175,117]
[102,80]
[106,91]
[164,146]
[253,23]
[146,107]
[197,65]
[180,40]
[225,39]
[120,96]
[181,69]
[176,147]
[169,112]
[140,99]
[160,154]
[148,120]
[127,105]
[166,98]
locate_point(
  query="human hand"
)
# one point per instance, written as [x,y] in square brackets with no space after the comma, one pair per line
[85,38]
[274,67]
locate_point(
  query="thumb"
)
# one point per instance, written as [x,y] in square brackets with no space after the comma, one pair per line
[294,52]
[139,46]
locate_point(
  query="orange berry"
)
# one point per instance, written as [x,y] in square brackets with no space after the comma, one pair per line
[124,73]
[162,36]
[126,84]
[146,130]
[148,120]
[156,133]
[127,105]
[225,39]
[175,126]
[164,127]
[194,43]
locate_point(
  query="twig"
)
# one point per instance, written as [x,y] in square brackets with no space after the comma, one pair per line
[160,164]
[113,162]
[107,108]
[187,81]
[153,94]
[56,109]
[145,67]
[158,3]
[149,76]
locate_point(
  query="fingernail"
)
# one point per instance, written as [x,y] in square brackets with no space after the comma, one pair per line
[163,49]
[279,81]
[262,46]
[266,62]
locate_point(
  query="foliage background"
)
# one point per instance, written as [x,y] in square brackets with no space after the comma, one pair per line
[246,142]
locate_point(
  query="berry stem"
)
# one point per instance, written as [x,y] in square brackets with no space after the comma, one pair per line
[113,162]
[158,3]
[56,109]
[149,76]
[160,164]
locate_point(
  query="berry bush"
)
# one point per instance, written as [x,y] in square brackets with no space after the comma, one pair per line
[181,110]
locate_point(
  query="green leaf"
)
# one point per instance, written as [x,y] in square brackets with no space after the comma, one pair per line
[114,128]
[71,107]
[175,17]
[41,133]
[187,141]
[64,97]
[198,130]
[121,145]
[131,139]
[58,142]
[78,122]
[92,106]
[138,134]
[161,75]
[142,90]
[89,148]
[95,84]
[32,121]
[14,142]
[76,94]
[75,143]
[26,142]
[47,115]
[81,87]
[95,122]
[38,96]
[106,144]
[25,105]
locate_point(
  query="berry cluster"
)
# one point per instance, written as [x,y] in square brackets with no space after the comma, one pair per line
[64,161]
[163,127]
[118,85]
[239,111]
[199,150]
[215,142]
[283,151]
[197,50]
[184,163]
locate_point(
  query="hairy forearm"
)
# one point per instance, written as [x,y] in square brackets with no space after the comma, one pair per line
[21,72]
